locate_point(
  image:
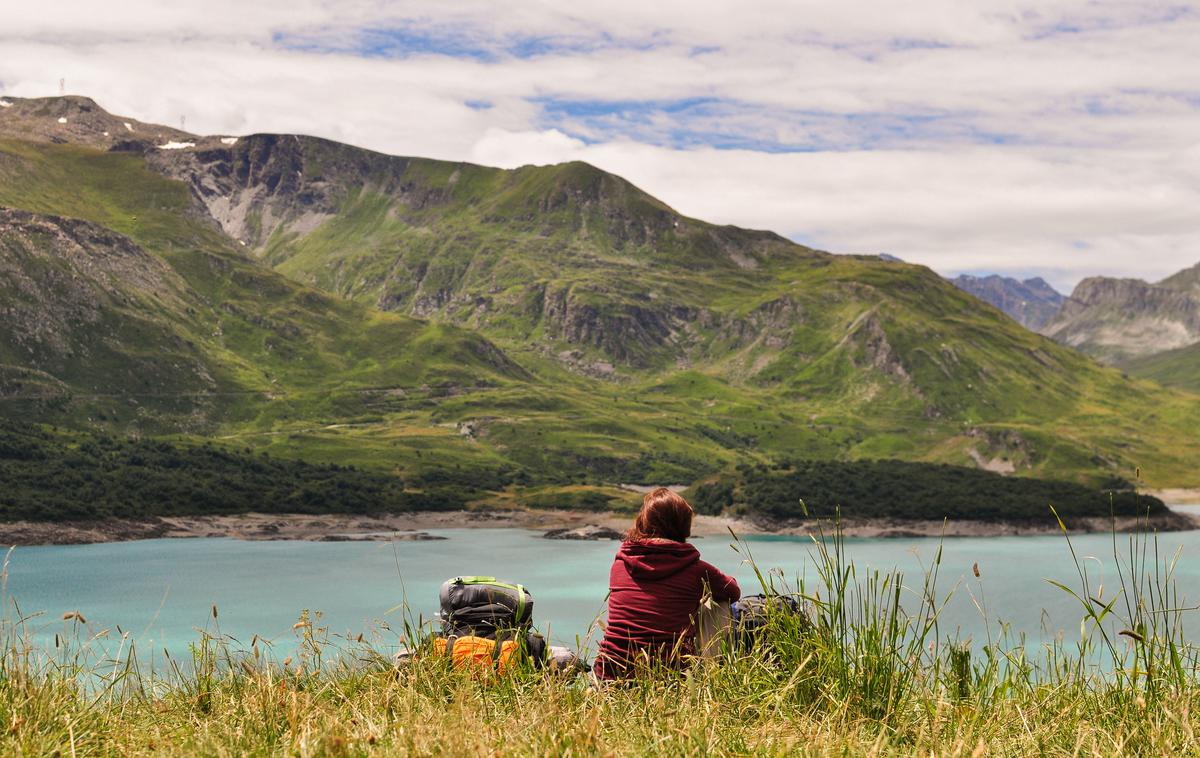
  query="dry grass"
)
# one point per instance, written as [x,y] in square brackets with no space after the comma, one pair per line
[431,711]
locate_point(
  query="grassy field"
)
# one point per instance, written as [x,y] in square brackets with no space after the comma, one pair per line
[872,674]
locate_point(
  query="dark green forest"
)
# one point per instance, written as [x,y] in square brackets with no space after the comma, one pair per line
[50,475]
[902,490]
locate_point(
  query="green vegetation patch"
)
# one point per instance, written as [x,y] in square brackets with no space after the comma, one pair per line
[584,499]
[1174,368]
[903,490]
[51,476]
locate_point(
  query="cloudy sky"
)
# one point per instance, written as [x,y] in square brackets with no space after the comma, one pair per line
[1059,139]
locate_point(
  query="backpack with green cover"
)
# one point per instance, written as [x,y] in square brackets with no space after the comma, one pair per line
[488,608]
[481,606]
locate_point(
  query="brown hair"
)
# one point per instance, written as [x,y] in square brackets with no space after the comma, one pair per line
[664,515]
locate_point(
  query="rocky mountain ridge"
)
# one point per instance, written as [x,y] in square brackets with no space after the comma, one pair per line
[1187,280]
[435,240]
[77,120]
[1119,320]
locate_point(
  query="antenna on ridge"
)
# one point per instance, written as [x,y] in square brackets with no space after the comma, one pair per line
[183,123]
[62,87]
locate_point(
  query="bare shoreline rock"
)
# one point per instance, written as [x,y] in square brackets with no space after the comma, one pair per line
[554,524]
[587,532]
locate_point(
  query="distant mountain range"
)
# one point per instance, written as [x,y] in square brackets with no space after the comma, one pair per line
[1151,330]
[545,329]
[1032,302]
[1123,320]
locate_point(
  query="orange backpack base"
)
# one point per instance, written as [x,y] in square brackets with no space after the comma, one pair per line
[479,652]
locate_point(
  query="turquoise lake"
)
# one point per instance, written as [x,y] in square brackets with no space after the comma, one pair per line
[162,591]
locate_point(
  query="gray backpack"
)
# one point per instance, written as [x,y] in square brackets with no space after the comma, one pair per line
[751,615]
[482,606]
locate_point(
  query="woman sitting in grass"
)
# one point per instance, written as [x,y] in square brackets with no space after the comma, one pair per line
[655,589]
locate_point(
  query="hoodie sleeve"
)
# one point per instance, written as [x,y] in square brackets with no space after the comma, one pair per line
[724,588]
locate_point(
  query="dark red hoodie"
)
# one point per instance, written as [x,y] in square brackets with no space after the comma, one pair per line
[655,590]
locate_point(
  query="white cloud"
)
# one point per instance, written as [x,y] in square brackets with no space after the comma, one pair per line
[507,149]
[1059,138]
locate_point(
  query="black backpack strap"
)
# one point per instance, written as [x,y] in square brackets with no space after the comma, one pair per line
[501,638]
[535,647]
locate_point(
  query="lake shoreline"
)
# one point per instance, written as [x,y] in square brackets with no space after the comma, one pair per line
[416,526]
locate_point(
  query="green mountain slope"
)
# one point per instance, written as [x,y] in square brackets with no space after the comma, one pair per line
[576,262]
[89,310]
[576,331]
[570,265]
[141,307]
[1174,368]
[275,365]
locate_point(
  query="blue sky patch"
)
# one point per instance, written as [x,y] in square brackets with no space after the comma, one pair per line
[396,42]
[731,125]
[409,40]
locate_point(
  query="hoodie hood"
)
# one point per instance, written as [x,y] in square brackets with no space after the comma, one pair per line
[656,560]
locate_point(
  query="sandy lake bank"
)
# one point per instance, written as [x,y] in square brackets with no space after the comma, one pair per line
[416,526]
